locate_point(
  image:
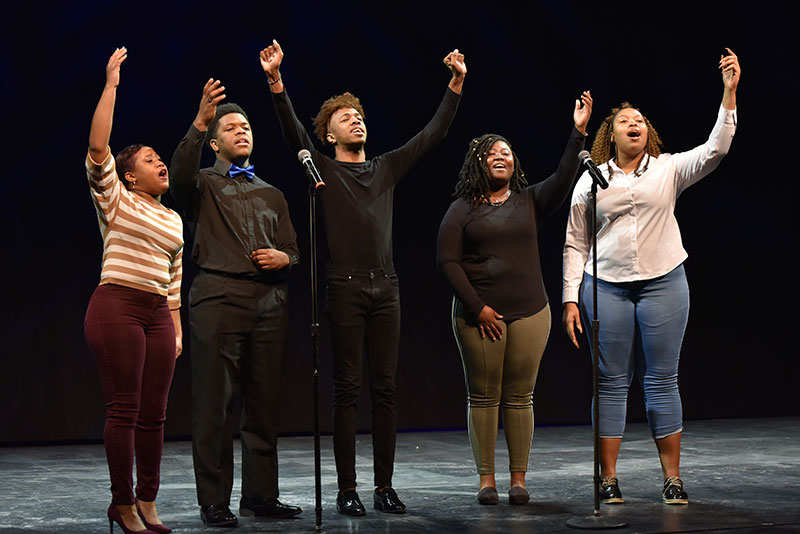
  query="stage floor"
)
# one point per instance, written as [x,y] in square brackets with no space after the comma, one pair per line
[741,475]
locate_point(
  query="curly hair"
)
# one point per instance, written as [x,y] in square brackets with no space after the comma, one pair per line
[126,161]
[473,178]
[601,147]
[331,106]
[222,110]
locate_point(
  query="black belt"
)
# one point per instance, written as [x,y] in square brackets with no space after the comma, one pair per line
[253,277]
[371,273]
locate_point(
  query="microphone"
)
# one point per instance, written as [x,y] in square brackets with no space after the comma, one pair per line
[304,156]
[585,158]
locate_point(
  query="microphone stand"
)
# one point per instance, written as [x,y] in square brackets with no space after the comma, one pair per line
[596,520]
[312,220]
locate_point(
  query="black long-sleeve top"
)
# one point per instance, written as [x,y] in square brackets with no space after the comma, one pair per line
[229,217]
[490,254]
[359,197]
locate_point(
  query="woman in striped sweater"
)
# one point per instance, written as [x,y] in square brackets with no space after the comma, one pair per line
[133,321]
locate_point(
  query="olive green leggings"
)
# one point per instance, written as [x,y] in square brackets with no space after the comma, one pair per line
[501,373]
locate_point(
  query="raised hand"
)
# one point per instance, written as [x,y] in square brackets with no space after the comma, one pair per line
[729,65]
[271,58]
[213,94]
[455,62]
[113,67]
[100,131]
[583,110]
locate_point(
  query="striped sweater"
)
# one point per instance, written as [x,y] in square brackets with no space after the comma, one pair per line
[142,242]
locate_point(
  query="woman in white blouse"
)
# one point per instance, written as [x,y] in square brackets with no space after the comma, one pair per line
[643,297]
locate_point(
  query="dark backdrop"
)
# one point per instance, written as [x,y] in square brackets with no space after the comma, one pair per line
[526,67]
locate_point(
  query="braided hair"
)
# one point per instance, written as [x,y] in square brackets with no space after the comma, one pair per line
[601,147]
[473,178]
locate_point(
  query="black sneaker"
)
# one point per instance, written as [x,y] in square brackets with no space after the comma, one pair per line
[673,491]
[609,491]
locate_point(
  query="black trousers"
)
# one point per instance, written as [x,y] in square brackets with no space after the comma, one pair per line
[239,330]
[363,309]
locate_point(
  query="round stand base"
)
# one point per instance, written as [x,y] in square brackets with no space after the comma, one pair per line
[596,521]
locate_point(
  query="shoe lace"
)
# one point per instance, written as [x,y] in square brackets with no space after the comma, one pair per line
[673,481]
[608,481]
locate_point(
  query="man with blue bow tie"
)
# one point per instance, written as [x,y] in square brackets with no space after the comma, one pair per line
[244,243]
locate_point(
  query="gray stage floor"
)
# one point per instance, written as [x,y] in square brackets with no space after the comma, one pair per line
[741,475]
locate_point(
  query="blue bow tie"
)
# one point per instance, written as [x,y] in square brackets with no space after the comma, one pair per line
[235,171]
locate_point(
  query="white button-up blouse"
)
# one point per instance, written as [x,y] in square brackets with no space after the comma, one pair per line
[637,234]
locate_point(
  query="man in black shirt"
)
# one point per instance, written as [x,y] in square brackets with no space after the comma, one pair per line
[363,296]
[244,242]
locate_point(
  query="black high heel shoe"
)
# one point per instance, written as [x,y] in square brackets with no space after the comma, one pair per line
[158,529]
[114,516]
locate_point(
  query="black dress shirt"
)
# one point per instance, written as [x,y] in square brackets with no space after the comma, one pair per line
[229,217]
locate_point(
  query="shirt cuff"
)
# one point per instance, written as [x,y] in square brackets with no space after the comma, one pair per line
[729,115]
[570,294]
[194,134]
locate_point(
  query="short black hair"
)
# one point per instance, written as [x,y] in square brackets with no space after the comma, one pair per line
[126,161]
[222,110]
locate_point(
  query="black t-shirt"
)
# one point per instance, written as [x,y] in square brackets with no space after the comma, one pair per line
[490,254]
[359,197]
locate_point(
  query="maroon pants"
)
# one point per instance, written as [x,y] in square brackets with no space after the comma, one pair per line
[132,337]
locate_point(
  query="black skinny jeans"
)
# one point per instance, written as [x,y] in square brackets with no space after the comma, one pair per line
[363,308]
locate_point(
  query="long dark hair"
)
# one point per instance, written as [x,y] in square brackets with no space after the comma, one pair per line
[473,178]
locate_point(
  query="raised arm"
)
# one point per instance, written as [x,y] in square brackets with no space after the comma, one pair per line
[551,193]
[100,132]
[729,65]
[271,58]
[293,130]
[185,162]
[455,62]
[403,158]
[695,164]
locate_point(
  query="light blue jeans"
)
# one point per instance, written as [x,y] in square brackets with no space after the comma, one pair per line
[641,330]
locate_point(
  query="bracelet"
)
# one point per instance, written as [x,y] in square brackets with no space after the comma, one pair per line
[276,81]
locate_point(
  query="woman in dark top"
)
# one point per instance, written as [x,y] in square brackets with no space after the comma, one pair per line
[489,253]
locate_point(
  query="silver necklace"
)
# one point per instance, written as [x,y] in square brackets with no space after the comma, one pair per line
[500,201]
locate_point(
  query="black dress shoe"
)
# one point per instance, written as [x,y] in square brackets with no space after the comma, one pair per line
[348,503]
[218,515]
[267,508]
[386,500]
